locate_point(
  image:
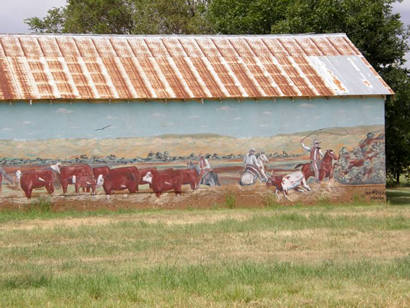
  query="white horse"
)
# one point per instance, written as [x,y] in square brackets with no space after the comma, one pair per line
[249,178]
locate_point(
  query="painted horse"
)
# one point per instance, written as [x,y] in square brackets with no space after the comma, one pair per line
[325,167]
[210,178]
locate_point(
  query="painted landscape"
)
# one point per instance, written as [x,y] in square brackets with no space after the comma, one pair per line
[178,147]
[225,155]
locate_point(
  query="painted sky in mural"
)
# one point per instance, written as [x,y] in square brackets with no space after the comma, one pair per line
[51,121]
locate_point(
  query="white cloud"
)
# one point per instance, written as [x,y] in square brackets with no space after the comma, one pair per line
[158,115]
[224,108]
[263,125]
[64,111]
[306,105]
[267,112]
[194,116]
[237,118]
[6,129]
[167,124]
[27,122]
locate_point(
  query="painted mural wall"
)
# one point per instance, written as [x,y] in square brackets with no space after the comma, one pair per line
[292,150]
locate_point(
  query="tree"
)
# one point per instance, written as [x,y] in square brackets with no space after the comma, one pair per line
[246,17]
[52,23]
[125,17]
[398,123]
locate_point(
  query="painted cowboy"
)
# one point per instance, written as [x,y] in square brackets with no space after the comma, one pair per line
[260,160]
[315,156]
[251,163]
[204,166]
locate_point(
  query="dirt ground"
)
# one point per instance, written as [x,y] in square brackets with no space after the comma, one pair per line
[231,195]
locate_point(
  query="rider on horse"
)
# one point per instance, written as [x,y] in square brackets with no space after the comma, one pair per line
[315,156]
[204,166]
[261,158]
[252,164]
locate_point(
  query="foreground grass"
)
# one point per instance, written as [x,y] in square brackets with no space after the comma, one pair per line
[282,284]
[280,256]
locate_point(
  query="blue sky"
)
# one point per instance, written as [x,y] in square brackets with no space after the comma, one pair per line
[238,119]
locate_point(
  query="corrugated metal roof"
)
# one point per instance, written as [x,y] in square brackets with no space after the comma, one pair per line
[78,67]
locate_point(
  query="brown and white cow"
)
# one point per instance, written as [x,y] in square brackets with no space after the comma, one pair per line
[86,182]
[120,179]
[99,173]
[283,183]
[162,181]
[34,179]
[68,174]
[143,172]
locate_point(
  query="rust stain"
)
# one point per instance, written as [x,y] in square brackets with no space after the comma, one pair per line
[189,77]
[207,77]
[6,87]
[135,77]
[338,84]
[178,67]
[367,83]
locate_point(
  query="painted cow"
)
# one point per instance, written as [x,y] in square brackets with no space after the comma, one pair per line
[34,179]
[68,174]
[99,173]
[162,181]
[191,177]
[10,172]
[120,179]
[86,182]
[143,172]
[295,180]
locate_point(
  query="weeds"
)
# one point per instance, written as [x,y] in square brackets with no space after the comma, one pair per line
[230,200]
[41,205]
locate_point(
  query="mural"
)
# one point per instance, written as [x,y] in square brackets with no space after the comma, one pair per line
[137,152]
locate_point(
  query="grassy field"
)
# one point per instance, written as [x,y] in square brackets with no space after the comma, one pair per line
[314,256]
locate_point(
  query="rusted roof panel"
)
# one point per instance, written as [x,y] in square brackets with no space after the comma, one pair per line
[78,67]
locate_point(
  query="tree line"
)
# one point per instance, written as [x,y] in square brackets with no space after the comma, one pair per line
[370,24]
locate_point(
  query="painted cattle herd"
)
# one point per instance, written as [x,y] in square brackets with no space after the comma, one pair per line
[254,172]
[87,178]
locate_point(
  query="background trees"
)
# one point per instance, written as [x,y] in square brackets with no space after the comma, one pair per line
[370,24]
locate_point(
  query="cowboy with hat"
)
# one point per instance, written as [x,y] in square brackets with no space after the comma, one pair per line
[315,156]
[251,163]
[204,165]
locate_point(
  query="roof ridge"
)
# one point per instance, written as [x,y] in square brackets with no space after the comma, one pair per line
[178,35]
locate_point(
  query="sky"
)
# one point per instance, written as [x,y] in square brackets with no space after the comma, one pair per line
[13,13]
[243,120]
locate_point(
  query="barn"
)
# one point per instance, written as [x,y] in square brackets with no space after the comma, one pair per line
[243,117]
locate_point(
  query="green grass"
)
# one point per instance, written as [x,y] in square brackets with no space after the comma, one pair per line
[280,256]
[241,283]
[398,196]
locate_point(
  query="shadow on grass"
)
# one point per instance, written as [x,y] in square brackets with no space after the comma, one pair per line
[398,196]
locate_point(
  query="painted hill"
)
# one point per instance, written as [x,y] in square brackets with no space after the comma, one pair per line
[183,145]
